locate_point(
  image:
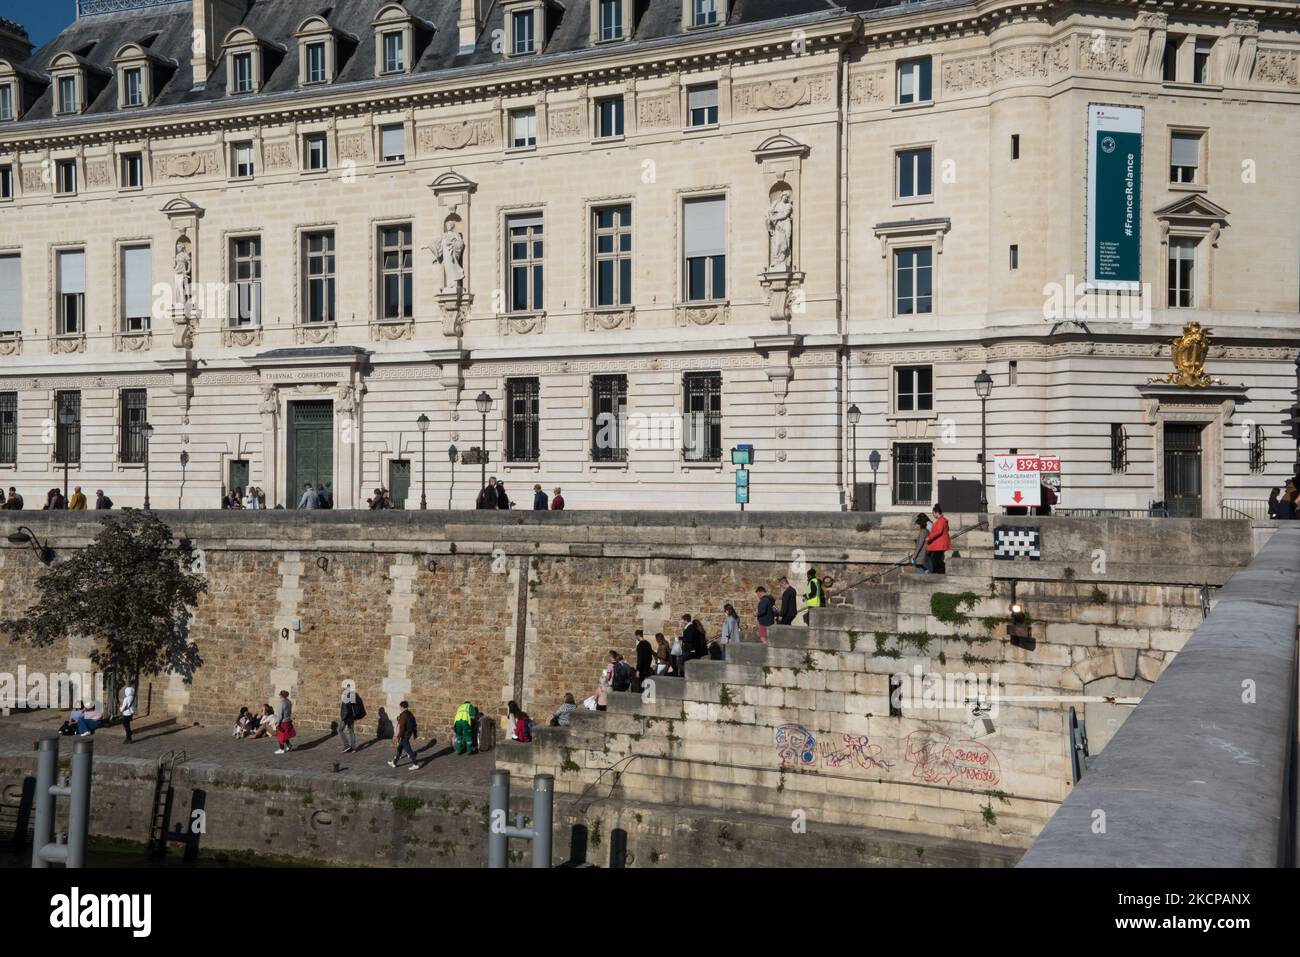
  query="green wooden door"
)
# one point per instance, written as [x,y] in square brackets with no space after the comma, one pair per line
[1183,470]
[238,475]
[399,481]
[311,447]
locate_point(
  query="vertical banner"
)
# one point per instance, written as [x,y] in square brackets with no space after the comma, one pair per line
[1114,252]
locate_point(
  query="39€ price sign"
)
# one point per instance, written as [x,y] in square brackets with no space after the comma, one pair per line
[1017,480]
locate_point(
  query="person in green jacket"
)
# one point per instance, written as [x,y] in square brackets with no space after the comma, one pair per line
[814,597]
[463,726]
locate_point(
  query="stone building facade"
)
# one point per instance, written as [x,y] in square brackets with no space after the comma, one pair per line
[646,231]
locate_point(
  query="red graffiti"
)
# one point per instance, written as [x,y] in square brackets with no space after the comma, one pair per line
[937,760]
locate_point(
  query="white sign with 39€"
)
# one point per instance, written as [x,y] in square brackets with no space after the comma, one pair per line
[1017,480]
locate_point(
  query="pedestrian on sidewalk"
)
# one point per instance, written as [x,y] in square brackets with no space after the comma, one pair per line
[814,597]
[789,603]
[540,502]
[284,729]
[78,501]
[102,501]
[920,559]
[938,542]
[557,503]
[462,727]
[663,654]
[404,732]
[351,710]
[730,626]
[127,711]
[676,658]
[694,642]
[765,614]
[308,499]
[644,661]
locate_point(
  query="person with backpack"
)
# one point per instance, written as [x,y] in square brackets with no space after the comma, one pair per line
[765,614]
[620,672]
[102,501]
[521,726]
[405,731]
[462,727]
[351,710]
[284,729]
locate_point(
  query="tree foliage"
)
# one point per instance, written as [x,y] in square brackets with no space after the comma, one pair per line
[130,592]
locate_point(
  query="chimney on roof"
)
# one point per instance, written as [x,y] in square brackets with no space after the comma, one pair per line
[470,24]
[14,44]
[213,19]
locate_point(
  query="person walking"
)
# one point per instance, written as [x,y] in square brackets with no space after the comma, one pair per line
[765,613]
[284,730]
[922,536]
[557,503]
[789,603]
[308,499]
[127,712]
[1273,503]
[78,501]
[663,654]
[351,710]
[462,727]
[938,542]
[503,499]
[102,501]
[404,730]
[540,502]
[730,626]
[694,643]
[644,661]
[677,658]
[487,499]
[814,597]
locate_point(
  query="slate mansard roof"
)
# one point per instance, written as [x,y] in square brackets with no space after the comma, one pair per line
[165,29]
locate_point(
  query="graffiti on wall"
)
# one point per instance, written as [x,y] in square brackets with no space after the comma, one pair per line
[796,747]
[937,759]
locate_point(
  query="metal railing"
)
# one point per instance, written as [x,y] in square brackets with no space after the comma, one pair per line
[1155,510]
[1244,507]
[904,562]
[86,8]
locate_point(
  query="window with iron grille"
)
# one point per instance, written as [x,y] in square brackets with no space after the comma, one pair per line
[702,432]
[9,428]
[135,412]
[1257,457]
[609,418]
[913,473]
[523,420]
[1118,448]
[397,278]
[67,431]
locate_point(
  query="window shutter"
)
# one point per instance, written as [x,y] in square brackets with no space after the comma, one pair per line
[72,272]
[704,97]
[1185,150]
[11,294]
[705,227]
[138,281]
[394,141]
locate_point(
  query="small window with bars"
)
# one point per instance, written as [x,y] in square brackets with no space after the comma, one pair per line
[67,427]
[702,428]
[8,428]
[135,412]
[523,420]
[913,473]
[1258,460]
[1118,448]
[609,418]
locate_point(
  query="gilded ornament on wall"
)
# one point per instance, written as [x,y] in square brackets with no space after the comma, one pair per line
[1188,353]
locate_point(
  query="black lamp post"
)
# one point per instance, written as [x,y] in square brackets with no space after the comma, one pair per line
[484,404]
[422,423]
[24,536]
[452,452]
[66,418]
[983,386]
[855,416]
[147,431]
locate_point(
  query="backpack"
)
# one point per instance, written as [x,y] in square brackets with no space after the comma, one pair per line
[523,727]
[622,676]
[359,709]
[415,729]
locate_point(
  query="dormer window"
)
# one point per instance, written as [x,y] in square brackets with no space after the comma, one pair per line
[320,49]
[7,102]
[68,95]
[526,21]
[396,32]
[612,20]
[140,73]
[132,87]
[76,83]
[703,13]
[394,52]
[315,63]
[249,61]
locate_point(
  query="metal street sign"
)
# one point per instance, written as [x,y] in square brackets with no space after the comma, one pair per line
[742,487]
[1016,479]
[742,455]
[475,457]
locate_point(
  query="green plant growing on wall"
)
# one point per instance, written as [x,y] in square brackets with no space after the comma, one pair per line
[948,607]
[595,832]
[569,764]
[809,663]
[986,811]
[853,640]
[943,659]
[882,651]
[1098,597]
[919,852]
[920,640]
[657,605]
[969,659]
[865,526]
[407,805]
[654,856]
[724,698]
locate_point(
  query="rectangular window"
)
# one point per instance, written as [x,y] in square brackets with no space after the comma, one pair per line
[132,171]
[316,152]
[609,418]
[704,243]
[1118,448]
[67,427]
[913,281]
[521,25]
[1201,60]
[8,428]
[1015,146]
[243,160]
[315,63]
[609,117]
[1169,70]
[392,143]
[242,65]
[11,295]
[246,281]
[6,102]
[65,177]
[702,427]
[319,251]
[527,249]
[68,94]
[522,427]
[396,274]
[914,81]
[611,19]
[72,292]
[702,104]
[1182,272]
[914,389]
[6,182]
[394,53]
[913,473]
[1184,157]
[133,87]
[135,413]
[523,128]
[1013,372]
[914,169]
[137,288]
[1014,255]
[704,13]
[612,251]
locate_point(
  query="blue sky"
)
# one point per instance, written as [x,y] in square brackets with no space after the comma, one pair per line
[42,18]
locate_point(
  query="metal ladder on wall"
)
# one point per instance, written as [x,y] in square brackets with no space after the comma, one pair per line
[162,802]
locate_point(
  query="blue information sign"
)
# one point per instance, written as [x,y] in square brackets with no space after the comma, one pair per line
[742,487]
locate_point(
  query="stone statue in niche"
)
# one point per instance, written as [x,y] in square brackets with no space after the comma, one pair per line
[449,250]
[184,277]
[345,402]
[780,230]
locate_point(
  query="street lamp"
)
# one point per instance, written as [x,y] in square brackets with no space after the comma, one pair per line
[422,423]
[24,535]
[484,404]
[983,387]
[855,416]
[147,431]
[452,452]
[66,419]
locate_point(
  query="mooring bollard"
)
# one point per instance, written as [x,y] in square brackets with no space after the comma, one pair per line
[500,831]
[46,849]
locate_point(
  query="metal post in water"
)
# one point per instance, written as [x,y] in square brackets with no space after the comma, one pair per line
[83,754]
[47,766]
[543,818]
[498,817]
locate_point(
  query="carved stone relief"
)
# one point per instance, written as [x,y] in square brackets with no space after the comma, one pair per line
[456,136]
[185,165]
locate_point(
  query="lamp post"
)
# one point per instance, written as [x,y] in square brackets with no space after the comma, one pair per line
[983,386]
[66,419]
[451,490]
[147,431]
[855,416]
[484,404]
[422,423]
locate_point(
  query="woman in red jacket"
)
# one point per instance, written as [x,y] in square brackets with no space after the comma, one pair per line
[938,542]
